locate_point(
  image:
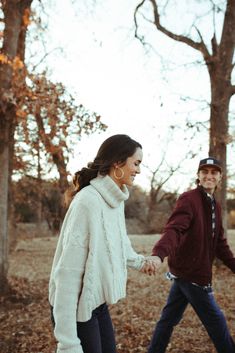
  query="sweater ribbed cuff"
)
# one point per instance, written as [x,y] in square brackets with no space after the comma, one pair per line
[77,349]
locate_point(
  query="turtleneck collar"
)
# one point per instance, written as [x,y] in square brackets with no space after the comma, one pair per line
[109,190]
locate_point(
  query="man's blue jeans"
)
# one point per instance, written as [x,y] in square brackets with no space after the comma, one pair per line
[205,306]
[96,334]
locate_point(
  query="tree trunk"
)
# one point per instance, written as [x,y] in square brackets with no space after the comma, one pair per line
[219,136]
[56,152]
[4,156]
[58,158]
[220,70]
[14,11]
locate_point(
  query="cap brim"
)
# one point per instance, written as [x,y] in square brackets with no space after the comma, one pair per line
[210,165]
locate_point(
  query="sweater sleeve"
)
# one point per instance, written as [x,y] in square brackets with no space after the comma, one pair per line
[177,226]
[68,275]
[134,260]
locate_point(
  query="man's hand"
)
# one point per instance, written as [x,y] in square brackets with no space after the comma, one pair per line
[151,265]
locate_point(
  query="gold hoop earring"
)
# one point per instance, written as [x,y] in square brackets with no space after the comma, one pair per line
[115,173]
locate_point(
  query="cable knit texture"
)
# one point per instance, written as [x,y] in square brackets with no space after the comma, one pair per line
[90,263]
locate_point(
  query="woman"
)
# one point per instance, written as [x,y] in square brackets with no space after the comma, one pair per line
[90,264]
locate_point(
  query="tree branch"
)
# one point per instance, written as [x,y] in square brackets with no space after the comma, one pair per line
[180,38]
[141,39]
[44,57]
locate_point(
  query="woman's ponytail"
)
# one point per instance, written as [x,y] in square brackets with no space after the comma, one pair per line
[81,179]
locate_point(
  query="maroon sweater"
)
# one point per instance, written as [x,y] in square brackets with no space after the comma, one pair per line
[187,239]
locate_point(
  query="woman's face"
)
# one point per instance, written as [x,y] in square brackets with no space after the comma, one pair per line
[126,173]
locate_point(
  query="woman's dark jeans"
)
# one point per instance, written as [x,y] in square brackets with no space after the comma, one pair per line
[97,334]
[203,302]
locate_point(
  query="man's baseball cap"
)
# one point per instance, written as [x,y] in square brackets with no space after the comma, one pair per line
[210,162]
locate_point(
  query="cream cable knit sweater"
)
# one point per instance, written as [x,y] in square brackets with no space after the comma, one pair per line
[89,266]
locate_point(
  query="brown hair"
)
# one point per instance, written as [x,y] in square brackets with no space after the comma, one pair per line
[115,149]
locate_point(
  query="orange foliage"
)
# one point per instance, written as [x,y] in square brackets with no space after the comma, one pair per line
[4,59]
[49,115]
[46,117]
[17,63]
[21,113]
[26,17]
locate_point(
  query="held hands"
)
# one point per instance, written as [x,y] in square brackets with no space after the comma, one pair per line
[151,265]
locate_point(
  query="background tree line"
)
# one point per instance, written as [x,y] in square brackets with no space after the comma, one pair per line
[39,202]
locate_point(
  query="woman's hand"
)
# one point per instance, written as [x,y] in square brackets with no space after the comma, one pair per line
[151,265]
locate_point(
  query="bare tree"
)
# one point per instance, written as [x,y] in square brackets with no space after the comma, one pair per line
[18,104]
[157,194]
[219,62]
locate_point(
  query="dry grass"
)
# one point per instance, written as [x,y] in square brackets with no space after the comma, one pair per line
[24,313]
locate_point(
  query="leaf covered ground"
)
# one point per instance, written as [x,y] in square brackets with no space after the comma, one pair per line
[25,318]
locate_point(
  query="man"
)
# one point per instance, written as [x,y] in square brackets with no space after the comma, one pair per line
[192,238]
